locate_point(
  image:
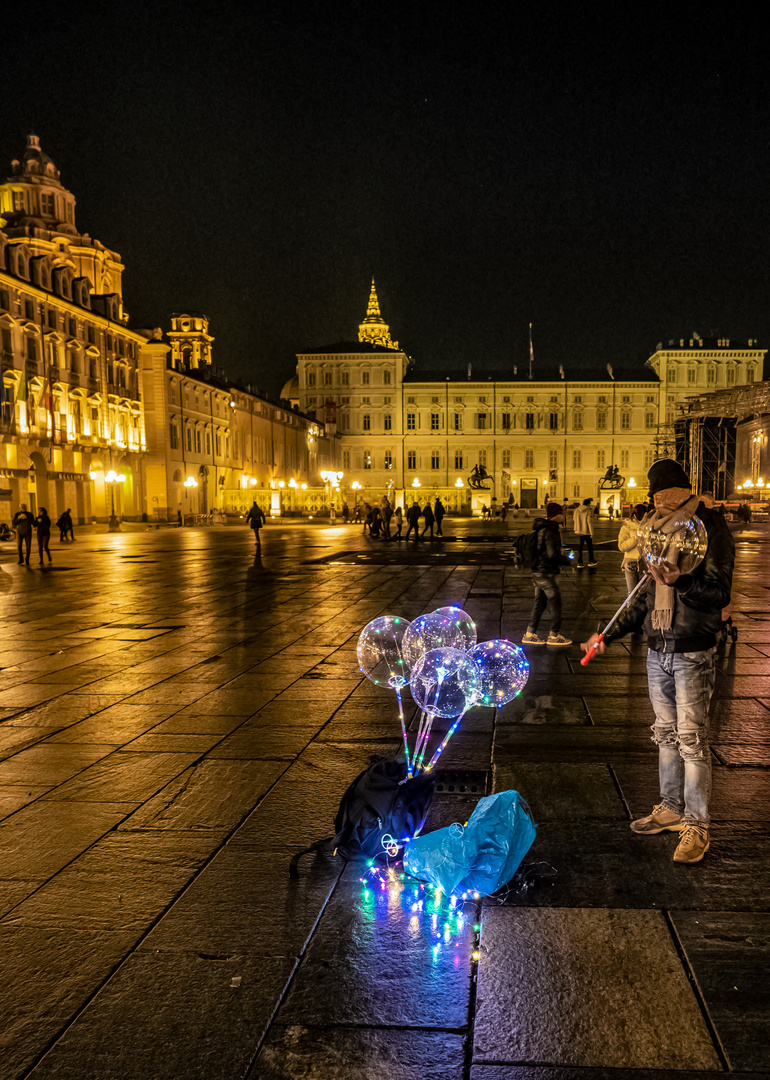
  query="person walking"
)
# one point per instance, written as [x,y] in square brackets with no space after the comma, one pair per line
[413,520]
[628,543]
[546,566]
[438,513]
[22,523]
[398,518]
[345,513]
[43,527]
[64,525]
[584,530]
[681,615]
[386,513]
[429,520]
[256,519]
[367,517]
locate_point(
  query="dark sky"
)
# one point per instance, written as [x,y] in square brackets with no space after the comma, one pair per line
[604,176]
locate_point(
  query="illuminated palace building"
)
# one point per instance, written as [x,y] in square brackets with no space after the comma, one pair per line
[470,437]
[107,420]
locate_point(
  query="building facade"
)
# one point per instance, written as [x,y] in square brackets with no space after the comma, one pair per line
[476,439]
[71,410]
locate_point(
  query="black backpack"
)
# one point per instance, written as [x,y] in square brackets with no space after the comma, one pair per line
[525,547]
[381,802]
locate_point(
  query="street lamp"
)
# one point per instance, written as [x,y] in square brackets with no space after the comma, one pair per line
[112,478]
[332,481]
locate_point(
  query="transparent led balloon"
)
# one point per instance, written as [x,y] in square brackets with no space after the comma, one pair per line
[380,651]
[445,682]
[463,623]
[683,548]
[503,670]
[441,629]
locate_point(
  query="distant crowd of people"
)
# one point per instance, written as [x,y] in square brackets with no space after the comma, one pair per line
[384,522]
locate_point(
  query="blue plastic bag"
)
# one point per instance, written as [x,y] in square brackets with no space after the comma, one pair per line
[484,855]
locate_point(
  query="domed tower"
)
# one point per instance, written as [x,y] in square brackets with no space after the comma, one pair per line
[374,329]
[36,210]
[33,197]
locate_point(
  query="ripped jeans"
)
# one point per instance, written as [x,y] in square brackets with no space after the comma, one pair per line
[681,685]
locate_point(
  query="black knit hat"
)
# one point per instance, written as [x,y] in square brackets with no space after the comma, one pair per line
[553,509]
[667,474]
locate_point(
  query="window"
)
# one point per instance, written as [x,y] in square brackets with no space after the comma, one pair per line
[553,421]
[365,378]
[600,459]
[411,459]
[434,400]
[577,420]
[386,378]
[411,421]
[529,459]
[731,376]
[711,375]
[367,422]
[649,420]
[578,399]
[506,459]
[625,420]
[208,443]
[367,459]
[198,441]
[345,378]
[576,491]
[602,400]
[434,460]
[458,421]
[506,421]
[691,374]
[388,459]
[553,459]
[750,373]
[311,378]
[601,420]
[434,421]
[189,440]
[387,422]
[327,378]
[481,421]
[626,399]
[483,458]
[47,206]
[624,458]
[345,459]
[649,457]
[529,421]
[29,311]
[577,459]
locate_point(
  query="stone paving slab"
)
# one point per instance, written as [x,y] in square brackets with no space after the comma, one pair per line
[729,952]
[583,988]
[299,1053]
[44,837]
[563,791]
[736,794]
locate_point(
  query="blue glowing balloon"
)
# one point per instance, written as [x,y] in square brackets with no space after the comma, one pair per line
[445,682]
[441,629]
[380,651]
[503,669]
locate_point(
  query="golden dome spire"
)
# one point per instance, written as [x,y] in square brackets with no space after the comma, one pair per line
[373,329]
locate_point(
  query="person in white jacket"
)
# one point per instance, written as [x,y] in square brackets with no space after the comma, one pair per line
[628,542]
[584,529]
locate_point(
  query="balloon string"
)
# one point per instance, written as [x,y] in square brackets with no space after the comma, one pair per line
[426,736]
[403,730]
[417,742]
[442,745]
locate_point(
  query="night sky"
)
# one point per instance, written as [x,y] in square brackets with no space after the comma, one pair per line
[603,176]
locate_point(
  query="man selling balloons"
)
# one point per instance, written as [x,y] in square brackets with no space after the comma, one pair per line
[688,554]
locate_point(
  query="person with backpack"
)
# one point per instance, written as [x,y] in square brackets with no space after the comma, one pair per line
[584,530]
[628,543]
[22,523]
[256,520]
[546,563]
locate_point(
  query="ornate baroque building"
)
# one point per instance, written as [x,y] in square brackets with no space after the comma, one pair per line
[556,434]
[71,410]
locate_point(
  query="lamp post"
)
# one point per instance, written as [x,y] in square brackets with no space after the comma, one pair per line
[112,478]
[331,481]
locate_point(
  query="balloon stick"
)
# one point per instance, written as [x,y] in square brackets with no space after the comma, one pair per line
[631,596]
[426,736]
[403,728]
[442,745]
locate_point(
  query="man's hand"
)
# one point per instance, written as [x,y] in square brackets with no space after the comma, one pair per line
[586,645]
[665,573]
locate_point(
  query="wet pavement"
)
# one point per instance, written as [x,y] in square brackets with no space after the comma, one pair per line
[176,721]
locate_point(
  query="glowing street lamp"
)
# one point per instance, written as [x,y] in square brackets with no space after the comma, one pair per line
[416,483]
[459,482]
[112,478]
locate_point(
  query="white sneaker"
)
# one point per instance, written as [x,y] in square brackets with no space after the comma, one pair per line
[532,639]
[593,564]
[558,639]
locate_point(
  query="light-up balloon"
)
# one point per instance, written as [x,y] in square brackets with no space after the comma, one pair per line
[463,622]
[684,548]
[503,669]
[436,631]
[445,682]
[380,651]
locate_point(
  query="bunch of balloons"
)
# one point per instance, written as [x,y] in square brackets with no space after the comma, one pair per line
[446,670]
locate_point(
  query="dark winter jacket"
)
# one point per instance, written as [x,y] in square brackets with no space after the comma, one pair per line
[548,557]
[438,510]
[413,514]
[699,597]
[428,514]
